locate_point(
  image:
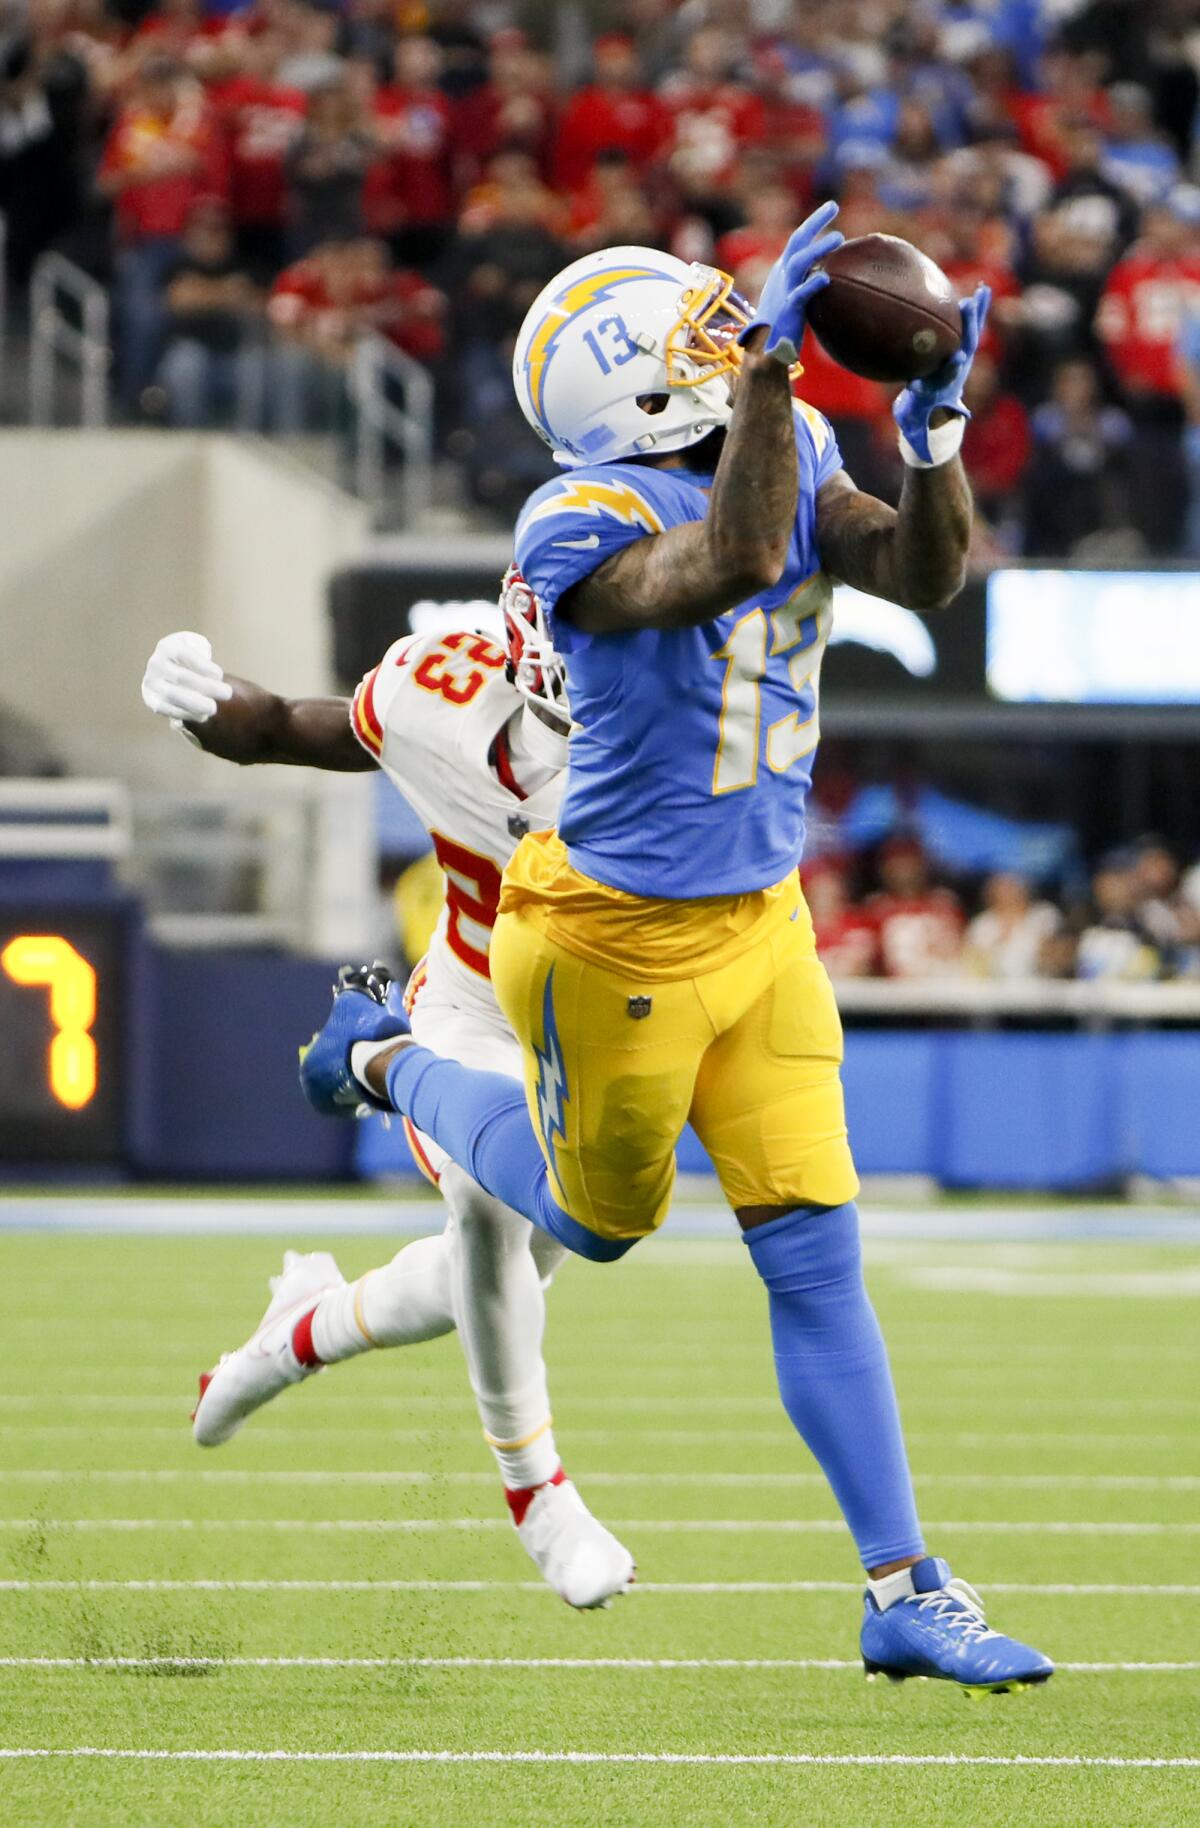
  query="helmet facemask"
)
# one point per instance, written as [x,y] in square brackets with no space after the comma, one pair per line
[533,664]
[702,343]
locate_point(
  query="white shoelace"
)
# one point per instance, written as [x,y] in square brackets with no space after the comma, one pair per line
[959,1608]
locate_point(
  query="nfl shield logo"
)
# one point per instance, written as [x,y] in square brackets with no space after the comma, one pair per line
[639,1007]
[517,826]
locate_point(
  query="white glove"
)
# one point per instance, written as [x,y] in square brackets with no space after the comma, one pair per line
[183,680]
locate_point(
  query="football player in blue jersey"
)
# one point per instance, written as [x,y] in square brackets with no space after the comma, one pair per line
[654,955]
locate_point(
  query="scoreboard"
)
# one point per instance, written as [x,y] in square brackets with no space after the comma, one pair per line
[62,988]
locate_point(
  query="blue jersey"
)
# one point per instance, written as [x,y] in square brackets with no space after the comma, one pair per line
[692,756]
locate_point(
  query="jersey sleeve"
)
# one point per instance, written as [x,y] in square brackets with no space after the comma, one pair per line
[814,432]
[576,522]
[376,692]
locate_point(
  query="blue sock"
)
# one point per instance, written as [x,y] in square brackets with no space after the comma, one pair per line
[833,1374]
[482,1122]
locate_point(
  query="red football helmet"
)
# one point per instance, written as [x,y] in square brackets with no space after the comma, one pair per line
[534,666]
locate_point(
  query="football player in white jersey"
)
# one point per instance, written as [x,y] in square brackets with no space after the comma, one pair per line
[476,739]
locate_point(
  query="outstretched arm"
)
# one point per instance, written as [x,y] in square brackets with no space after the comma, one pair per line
[916,554]
[689,574]
[243,722]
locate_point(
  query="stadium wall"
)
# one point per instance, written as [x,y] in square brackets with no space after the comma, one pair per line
[112,539]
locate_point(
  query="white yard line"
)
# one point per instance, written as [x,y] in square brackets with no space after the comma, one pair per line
[1146,1588]
[237,1475]
[1071,1761]
[695,1526]
[170,1475]
[649,1664]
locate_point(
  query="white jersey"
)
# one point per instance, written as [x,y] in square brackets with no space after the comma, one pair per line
[430,714]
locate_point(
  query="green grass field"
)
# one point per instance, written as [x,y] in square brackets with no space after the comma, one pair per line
[340,1581]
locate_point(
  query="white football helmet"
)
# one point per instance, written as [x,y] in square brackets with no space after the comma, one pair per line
[628,351]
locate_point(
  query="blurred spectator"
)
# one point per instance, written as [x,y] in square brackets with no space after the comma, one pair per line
[713,119]
[751,250]
[212,306]
[1078,479]
[312,60]
[162,154]
[409,195]
[1116,943]
[614,112]
[262,119]
[995,447]
[847,939]
[1063,274]
[321,307]
[611,210]
[343,289]
[327,167]
[1068,93]
[452,24]
[1164,911]
[1083,176]
[1137,156]
[919,926]
[513,111]
[1008,939]
[42,97]
[793,128]
[1146,300]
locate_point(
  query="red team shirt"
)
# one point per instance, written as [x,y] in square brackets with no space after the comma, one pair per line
[712,122]
[411,181]
[403,306]
[261,120]
[1141,314]
[159,204]
[917,934]
[596,120]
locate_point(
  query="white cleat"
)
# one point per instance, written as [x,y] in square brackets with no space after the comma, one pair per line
[249,1377]
[575,1554]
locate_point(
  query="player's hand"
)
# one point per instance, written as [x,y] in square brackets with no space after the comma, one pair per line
[914,408]
[182,680]
[791,283]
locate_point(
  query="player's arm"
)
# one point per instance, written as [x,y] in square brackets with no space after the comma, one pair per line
[243,722]
[915,554]
[689,574]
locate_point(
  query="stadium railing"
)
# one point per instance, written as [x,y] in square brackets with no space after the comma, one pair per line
[61,292]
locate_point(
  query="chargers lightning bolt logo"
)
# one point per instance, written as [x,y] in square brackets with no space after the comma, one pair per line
[552,1092]
[575,297]
[595,497]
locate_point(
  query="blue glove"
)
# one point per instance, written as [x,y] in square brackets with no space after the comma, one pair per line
[791,283]
[915,407]
[365,1008]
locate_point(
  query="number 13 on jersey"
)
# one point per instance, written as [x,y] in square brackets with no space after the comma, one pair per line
[798,630]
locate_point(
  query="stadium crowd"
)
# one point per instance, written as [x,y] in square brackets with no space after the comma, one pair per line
[259,184]
[1138,920]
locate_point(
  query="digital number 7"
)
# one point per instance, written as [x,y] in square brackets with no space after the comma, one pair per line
[49,960]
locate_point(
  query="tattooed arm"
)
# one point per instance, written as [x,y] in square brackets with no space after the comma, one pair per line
[689,574]
[916,554]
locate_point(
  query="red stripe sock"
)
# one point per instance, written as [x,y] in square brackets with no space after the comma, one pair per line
[519,1502]
[302,1344]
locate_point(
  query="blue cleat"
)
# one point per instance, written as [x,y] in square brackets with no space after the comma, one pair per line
[938,1629]
[367,1006]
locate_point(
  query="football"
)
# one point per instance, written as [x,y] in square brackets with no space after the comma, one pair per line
[888,313]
